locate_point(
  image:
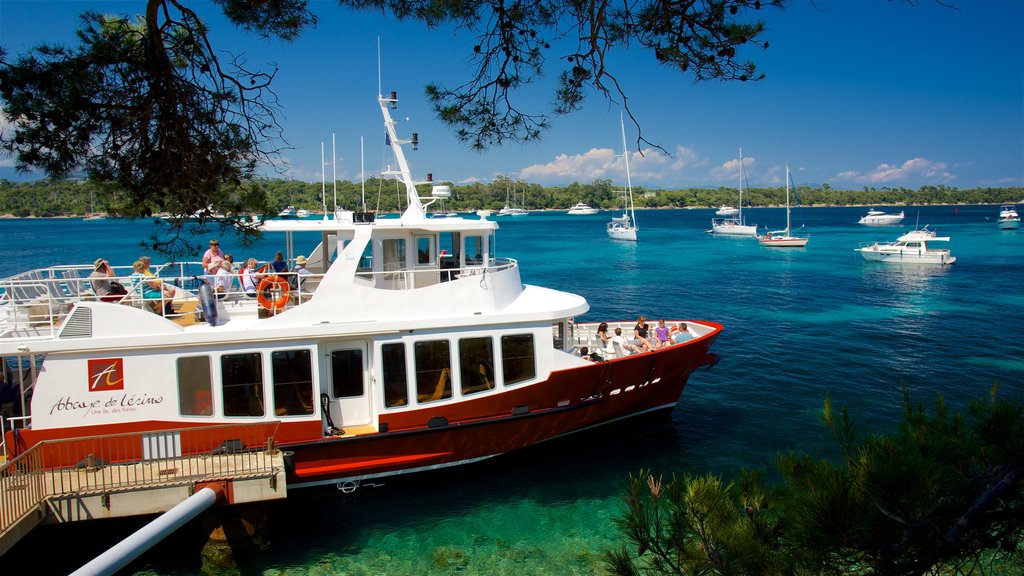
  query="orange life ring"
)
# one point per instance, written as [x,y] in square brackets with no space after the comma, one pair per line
[264,293]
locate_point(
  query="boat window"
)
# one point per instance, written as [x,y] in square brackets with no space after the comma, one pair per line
[492,241]
[476,364]
[195,386]
[242,384]
[474,250]
[347,373]
[517,361]
[433,370]
[424,250]
[558,330]
[366,261]
[394,254]
[396,386]
[293,382]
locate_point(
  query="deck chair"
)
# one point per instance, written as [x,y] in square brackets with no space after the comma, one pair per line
[442,381]
[619,352]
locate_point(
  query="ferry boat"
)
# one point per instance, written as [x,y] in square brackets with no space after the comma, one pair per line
[409,345]
[879,218]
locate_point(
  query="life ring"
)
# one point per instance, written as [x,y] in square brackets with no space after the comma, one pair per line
[265,291]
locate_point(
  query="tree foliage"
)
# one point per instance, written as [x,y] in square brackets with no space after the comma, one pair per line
[942,495]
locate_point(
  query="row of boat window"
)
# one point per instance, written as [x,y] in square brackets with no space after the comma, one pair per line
[242,389]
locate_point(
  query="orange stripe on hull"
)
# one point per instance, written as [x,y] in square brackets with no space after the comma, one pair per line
[318,470]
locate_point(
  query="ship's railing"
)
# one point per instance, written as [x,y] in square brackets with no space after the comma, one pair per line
[132,461]
[408,279]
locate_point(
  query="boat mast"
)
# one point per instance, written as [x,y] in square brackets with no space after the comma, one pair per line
[743,176]
[415,209]
[630,207]
[334,168]
[787,198]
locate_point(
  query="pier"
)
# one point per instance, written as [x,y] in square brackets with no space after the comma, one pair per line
[137,473]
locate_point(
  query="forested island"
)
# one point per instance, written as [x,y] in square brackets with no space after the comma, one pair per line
[46,198]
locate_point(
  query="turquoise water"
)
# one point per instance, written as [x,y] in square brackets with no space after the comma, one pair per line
[799,323]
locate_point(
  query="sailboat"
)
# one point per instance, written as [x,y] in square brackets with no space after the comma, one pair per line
[735,226]
[624,227]
[782,238]
[513,211]
[92,215]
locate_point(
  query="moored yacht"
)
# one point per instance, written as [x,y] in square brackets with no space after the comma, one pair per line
[727,211]
[410,345]
[879,218]
[288,212]
[736,225]
[582,209]
[911,248]
[1008,218]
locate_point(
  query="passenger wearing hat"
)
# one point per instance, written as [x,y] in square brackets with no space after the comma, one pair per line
[300,272]
[100,278]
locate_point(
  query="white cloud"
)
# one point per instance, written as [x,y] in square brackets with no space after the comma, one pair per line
[915,169]
[730,169]
[648,165]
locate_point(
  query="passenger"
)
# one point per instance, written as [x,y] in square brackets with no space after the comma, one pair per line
[213,254]
[661,334]
[640,336]
[223,278]
[149,289]
[231,260]
[278,263]
[170,292]
[682,334]
[105,289]
[301,273]
[602,336]
[250,278]
[622,342]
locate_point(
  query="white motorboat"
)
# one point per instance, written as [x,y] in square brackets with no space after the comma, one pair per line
[735,226]
[405,344]
[582,209]
[1008,218]
[783,238]
[911,248]
[301,213]
[879,218]
[624,227]
[727,211]
[288,212]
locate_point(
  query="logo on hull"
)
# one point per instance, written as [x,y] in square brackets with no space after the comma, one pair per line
[106,375]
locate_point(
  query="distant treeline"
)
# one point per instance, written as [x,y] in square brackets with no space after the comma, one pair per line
[77,197]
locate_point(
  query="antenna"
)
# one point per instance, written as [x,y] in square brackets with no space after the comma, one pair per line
[334,169]
[323,180]
[379,90]
[362,172]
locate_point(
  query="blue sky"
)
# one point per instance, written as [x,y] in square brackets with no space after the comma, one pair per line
[859,93]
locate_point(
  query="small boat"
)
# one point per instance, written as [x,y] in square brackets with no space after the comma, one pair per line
[582,209]
[410,345]
[1008,218]
[783,238]
[727,211]
[513,210]
[735,226]
[879,218]
[624,227]
[910,248]
[301,213]
[94,217]
[288,212]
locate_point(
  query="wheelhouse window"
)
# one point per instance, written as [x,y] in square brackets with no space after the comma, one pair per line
[476,365]
[195,386]
[242,384]
[474,250]
[293,382]
[424,250]
[517,358]
[433,370]
[365,267]
[394,254]
[347,373]
[396,384]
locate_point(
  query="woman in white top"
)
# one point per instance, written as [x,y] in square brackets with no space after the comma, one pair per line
[250,278]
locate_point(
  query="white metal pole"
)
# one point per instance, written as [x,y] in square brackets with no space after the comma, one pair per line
[334,169]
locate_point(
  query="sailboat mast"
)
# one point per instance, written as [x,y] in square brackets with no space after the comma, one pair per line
[787,198]
[629,182]
[743,176]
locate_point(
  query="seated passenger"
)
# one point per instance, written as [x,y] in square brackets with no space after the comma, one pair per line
[278,263]
[661,334]
[105,289]
[602,336]
[250,277]
[148,288]
[681,334]
[640,336]
[223,278]
[624,345]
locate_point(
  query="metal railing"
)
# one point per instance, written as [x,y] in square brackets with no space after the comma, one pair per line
[131,461]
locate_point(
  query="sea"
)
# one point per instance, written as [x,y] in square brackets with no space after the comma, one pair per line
[801,324]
